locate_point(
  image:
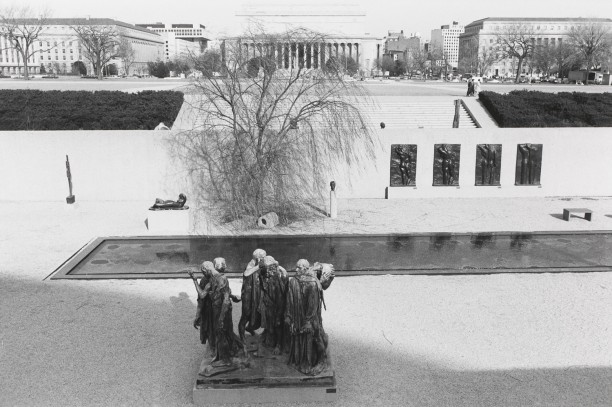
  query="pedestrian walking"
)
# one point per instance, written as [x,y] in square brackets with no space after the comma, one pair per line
[470,89]
[476,88]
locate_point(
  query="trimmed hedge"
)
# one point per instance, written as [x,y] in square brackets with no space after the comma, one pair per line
[522,108]
[83,110]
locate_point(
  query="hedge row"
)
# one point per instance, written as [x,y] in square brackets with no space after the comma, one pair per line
[84,110]
[522,108]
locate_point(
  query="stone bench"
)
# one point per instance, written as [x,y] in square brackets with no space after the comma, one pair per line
[568,211]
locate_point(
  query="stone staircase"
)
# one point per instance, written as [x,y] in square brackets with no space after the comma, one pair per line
[417,112]
[395,111]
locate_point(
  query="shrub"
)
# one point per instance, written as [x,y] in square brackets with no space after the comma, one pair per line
[521,108]
[72,110]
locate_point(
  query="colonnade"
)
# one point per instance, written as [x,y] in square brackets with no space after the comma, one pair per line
[310,55]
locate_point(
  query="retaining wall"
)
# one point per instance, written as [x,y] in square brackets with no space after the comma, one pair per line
[105,165]
[574,162]
[137,165]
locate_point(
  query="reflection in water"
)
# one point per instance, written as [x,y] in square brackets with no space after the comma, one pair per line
[441,251]
[441,241]
[399,243]
[180,257]
[520,240]
[482,240]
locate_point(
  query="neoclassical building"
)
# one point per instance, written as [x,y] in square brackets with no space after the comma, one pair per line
[57,47]
[341,26]
[480,37]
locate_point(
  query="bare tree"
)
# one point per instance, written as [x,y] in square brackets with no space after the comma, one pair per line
[591,44]
[100,42]
[273,126]
[516,41]
[564,59]
[208,63]
[126,53]
[418,59]
[544,59]
[22,27]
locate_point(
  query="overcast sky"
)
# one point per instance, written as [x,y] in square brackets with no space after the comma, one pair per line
[382,15]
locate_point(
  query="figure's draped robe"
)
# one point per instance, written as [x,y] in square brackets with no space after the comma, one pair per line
[227,342]
[207,333]
[272,306]
[251,298]
[307,350]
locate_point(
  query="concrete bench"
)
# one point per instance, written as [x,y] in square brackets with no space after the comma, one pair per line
[568,211]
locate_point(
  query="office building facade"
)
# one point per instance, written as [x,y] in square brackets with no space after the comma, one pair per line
[58,48]
[481,38]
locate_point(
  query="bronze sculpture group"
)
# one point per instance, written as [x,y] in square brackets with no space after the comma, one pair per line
[287,308]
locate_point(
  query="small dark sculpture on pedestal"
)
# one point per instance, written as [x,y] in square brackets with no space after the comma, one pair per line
[308,345]
[70,198]
[161,204]
[218,320]
[332,185]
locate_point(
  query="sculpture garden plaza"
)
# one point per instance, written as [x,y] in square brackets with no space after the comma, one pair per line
[290,220]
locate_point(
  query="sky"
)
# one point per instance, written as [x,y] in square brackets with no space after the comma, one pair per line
[382,15]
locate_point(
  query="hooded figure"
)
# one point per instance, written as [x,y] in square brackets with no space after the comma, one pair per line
[308,340]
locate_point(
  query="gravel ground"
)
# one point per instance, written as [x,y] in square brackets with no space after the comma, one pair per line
[488,340]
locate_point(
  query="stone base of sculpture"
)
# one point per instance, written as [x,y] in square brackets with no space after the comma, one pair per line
[264,378]
[168,222]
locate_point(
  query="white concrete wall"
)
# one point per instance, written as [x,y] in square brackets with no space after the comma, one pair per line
[137,165]
[105,165]
[574,162]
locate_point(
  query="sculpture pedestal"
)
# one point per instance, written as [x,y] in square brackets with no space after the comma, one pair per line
[267,379]
[169,221]
[333,205]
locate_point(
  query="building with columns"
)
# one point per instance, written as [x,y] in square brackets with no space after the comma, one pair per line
[446,38]
[57,47]
[480,38]
[343,27]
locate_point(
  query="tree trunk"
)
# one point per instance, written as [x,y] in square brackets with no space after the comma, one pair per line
[26,74]
[588,71]
[99,68]
[518,70]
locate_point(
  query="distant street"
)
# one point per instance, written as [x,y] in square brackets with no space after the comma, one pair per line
[387,87]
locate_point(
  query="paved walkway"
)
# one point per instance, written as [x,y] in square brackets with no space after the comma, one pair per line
[503,340]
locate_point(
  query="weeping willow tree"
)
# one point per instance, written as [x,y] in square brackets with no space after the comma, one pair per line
[274,120]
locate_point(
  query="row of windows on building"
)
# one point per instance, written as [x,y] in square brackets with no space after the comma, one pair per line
[537,27]
[182,32]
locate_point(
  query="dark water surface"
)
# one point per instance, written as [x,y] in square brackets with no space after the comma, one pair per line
[350,254]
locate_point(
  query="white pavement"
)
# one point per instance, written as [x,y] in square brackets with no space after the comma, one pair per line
[487,340]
